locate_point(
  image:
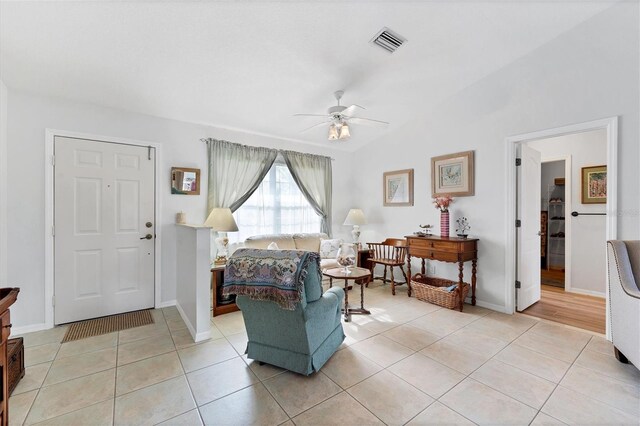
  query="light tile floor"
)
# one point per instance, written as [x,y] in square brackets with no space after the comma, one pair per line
[408,363]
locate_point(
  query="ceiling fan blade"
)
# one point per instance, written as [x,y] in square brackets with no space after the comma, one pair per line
[366,121]
[309,115]
[351,109]
[316,125]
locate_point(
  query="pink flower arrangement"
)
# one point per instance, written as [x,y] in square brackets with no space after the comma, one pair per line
[442,203]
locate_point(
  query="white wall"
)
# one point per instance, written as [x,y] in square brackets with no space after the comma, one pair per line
[588,73]
[3,185]
[588,233]
[28,118]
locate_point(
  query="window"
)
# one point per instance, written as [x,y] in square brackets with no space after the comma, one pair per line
[277,207]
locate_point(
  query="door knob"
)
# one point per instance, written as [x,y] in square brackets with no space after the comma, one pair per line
[148,224]
[147,237]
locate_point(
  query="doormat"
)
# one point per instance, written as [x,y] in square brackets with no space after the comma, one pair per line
[95,327]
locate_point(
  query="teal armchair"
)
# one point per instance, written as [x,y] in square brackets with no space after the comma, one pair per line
[299,340]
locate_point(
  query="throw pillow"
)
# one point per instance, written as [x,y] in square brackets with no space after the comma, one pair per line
[329,248]
[273,246]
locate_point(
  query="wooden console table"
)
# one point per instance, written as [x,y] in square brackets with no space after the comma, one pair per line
[445,249]
[217,278]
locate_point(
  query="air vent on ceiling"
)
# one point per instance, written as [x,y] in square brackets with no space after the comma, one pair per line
[388,40]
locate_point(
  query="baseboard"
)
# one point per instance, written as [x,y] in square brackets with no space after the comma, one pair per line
[30,328]
[493,307]
[166,304]
[587,292]
[197,337]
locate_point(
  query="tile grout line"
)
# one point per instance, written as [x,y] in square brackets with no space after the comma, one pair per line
[193,398]
[40,388]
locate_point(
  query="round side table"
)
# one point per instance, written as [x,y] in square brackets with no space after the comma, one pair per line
[360,276]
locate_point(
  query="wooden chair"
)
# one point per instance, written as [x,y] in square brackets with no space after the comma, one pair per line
[391,252]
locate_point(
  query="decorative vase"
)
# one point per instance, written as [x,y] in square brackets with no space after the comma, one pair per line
[346,256]
[444,223]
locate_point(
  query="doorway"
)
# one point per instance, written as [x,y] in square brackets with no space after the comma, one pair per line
[104,228]
[575,269]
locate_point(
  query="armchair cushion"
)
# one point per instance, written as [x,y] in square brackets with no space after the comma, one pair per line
[624,297]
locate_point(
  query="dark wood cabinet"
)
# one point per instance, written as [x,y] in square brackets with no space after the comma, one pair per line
[8,296]
[219,307]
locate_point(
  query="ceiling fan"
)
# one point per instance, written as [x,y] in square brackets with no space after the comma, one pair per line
[339,117]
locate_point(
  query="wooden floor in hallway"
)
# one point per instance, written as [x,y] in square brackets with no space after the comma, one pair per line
[577,310]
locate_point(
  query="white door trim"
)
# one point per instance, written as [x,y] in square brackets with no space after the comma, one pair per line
[611,126]
[50,135]
[567,210]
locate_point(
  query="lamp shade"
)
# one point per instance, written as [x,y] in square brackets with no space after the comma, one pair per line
[344,132]
[333,132]
[221,219]
[355,217]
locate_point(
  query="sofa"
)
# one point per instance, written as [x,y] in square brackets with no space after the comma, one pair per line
[301,337]
[623,261]
[308,242]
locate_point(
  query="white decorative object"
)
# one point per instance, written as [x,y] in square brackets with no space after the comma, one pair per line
[355,218]
[273,246]
[329,248]
[221,220]
[181,218]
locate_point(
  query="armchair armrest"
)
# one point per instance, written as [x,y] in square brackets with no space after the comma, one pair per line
[329,302]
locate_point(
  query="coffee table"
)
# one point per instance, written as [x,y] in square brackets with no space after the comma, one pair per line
[359,276]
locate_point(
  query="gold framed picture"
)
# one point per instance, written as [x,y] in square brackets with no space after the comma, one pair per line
[594,185]
[398,188]
[185,181]
[452,174]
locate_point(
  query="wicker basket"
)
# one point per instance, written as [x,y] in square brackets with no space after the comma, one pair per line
[432,290]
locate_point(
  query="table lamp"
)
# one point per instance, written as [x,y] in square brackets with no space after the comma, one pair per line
[221,220]
[355,218]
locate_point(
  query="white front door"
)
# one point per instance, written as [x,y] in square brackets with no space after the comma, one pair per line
[529,183]
[104,211]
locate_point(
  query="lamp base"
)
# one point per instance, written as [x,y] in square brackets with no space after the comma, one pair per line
[355,234]
[220,261]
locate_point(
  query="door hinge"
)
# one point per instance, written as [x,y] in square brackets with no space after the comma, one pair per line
[518,284]
[53,231]
[518,223]
[518,161]
[53,160]
[53,300]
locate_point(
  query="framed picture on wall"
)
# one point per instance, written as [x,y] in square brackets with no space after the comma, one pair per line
[398,188]
[594,185]
[185,181]
[453,175]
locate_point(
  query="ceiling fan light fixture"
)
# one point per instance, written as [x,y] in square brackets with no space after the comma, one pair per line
[333,132]
[344,132]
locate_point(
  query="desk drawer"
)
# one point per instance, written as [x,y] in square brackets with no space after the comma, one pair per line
[450,246]
[425,253]
[5,323]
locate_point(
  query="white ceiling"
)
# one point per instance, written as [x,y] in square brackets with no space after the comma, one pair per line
[251,66]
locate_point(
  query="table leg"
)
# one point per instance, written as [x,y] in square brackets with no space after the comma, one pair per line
[460,284]
[423,269]
[346,300]
[330,282]
[474,269]
[362,293]
[409,272]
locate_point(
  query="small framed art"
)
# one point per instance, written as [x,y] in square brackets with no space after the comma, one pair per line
[452,175]
[185,181]
[594,185]
[398,188]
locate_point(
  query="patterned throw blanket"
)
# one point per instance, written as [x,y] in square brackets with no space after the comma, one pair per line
[274,275]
